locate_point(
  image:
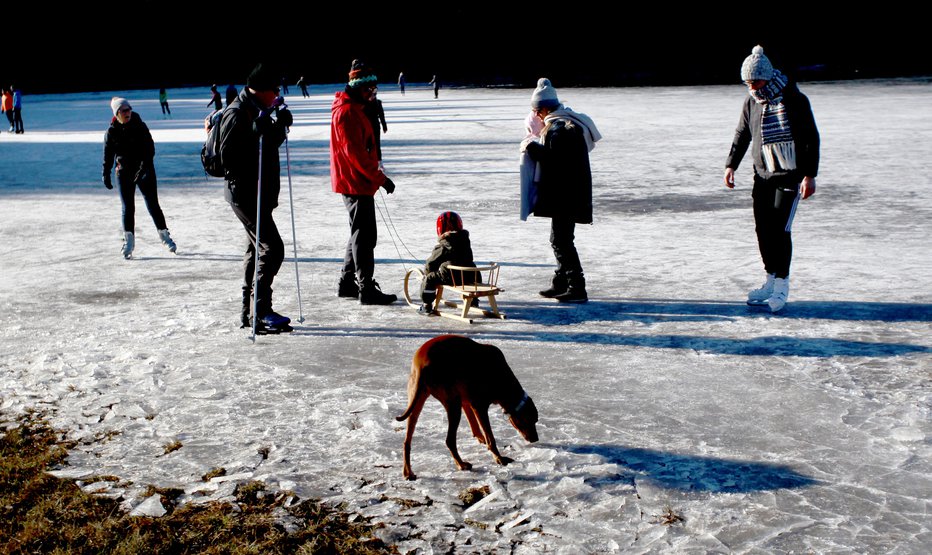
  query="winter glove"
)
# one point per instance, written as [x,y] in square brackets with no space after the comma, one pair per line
[285,118]
[388,186]
[533,149]
[263,124]
[107,182]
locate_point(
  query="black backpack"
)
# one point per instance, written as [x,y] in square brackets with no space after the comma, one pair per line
[210,152]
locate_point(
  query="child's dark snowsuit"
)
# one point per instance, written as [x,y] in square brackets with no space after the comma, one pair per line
[454,248]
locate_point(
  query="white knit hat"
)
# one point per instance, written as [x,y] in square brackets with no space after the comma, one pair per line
[756,66]
[117,102]
[544,96]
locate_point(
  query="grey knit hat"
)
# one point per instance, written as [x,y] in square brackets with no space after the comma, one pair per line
[118,102]
[544,96]
[756,66]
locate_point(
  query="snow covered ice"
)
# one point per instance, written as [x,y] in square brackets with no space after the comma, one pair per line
[665,396]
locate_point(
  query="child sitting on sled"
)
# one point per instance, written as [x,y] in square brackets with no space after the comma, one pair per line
[453,248]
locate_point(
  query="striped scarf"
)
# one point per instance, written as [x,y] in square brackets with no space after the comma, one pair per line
[777,146]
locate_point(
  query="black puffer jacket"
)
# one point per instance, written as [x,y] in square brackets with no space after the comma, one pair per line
[129,146]
[565,186]
[239,153]
[454,248]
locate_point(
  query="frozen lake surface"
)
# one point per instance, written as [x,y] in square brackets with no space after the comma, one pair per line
[665,395]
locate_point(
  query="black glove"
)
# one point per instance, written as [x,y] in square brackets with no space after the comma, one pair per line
[142,174]
[388,186]
[285,118]
[107,182]
[263,124]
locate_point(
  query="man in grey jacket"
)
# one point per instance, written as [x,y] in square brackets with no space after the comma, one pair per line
[777,123]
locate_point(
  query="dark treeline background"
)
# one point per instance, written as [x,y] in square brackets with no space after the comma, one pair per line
[144,44]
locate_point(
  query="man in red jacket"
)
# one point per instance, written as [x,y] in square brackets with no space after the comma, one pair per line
[355,174]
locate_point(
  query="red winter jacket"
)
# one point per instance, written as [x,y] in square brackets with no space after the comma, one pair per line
[354,162]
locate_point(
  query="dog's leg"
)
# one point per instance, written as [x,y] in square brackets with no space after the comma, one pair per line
[454,410]
[473,423]
[415,411]
[483,418]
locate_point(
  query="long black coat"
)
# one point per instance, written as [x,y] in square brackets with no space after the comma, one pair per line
[565,186]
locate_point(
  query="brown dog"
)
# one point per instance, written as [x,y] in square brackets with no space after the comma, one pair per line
[469,377]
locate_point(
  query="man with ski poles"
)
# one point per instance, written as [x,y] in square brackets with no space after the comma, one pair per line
[249,142]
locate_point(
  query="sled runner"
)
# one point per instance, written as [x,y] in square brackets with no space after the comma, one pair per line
[468,283]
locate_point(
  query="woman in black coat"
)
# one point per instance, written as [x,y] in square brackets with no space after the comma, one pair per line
[128,144]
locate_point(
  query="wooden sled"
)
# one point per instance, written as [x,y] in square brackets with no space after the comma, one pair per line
[468,282]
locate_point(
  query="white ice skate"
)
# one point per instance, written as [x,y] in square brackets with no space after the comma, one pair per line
[128,243]
[167,240]
[759,296]
[781,293]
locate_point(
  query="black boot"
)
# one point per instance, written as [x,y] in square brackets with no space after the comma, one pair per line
[558,285]
[576,290]
[371,293]
[347,288]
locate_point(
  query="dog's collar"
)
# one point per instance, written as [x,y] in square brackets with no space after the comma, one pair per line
[520,404]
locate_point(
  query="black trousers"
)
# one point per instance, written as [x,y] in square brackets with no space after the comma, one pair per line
[775,202]
[359,258]
[562,241]
[150,193]
[271,256]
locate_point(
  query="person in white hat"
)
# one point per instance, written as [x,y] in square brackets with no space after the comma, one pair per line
[777,124]
[128,145]
[564,185]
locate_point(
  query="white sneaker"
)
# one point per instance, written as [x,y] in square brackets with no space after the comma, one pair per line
[128,243]
[760,295]
[167,240]
[781,293]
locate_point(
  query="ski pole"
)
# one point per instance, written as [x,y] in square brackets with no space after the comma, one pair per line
[294,235]
[255,269]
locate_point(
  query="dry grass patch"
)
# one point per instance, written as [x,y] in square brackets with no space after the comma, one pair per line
[40,513]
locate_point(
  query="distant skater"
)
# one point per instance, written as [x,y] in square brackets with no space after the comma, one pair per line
[163,101]
[215,99]
[777,124]
[6,104]
[128,144]
[401,83]
[17,109]
[302,84]
[436,83]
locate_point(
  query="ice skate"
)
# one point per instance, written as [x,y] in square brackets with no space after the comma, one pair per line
[128,244]
[167,240]
[273,323]
[781,294]
[759,296]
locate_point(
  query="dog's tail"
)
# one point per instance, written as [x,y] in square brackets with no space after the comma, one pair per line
[412,400]
[406,413]
[414,389]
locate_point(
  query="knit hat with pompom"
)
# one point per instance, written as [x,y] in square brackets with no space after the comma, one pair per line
[756,66]
[544,96]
